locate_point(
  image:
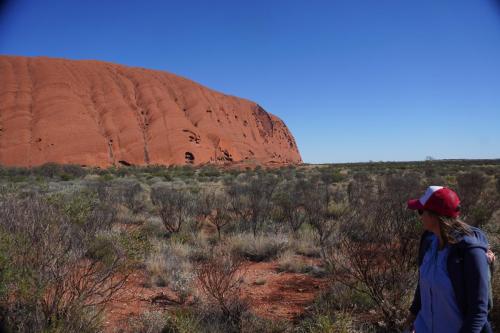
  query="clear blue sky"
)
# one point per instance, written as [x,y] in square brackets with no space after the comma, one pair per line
[353,80]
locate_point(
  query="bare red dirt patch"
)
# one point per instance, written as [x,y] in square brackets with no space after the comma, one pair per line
[271,294]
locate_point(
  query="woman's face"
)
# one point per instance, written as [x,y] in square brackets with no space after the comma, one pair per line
[429,221]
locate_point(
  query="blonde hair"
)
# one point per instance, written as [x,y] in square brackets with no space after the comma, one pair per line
[452,228]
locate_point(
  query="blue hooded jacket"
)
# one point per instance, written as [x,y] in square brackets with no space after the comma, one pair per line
[468,270]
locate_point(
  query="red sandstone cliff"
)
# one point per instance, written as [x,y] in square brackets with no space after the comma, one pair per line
[102,114]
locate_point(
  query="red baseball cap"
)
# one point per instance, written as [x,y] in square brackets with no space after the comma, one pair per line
[438,199]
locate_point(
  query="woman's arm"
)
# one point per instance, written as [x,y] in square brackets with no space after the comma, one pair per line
[422,248]
[476,285]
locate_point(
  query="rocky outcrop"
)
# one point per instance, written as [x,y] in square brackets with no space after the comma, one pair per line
[103,114]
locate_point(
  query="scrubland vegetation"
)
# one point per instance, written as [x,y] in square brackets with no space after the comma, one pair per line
[70,238]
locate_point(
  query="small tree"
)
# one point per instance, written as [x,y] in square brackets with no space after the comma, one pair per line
[215,207]
[131,194]
[478,200]
[289,204]
[175,207]
[374,253]
[318,210]
[250,199]
[220,280]
[470,187]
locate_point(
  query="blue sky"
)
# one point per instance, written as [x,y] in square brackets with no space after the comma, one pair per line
[354,80]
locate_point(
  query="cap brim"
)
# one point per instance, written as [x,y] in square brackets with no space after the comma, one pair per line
[415,204]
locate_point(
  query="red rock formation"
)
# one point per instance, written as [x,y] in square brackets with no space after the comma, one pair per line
[102,114]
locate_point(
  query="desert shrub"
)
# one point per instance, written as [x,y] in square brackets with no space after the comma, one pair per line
[429,168]
[288,204]
[15,174]
[200,248]
[132,195]
[177,321]
[76,206]
[402,187]
[374,252]
[497,183]
[168,265]
[135,244]
[214,207]
[73,171]
[305,242]
[49,170]
[154,170]
[220,279]
[55,283]
[470,186]
[102,248]
[106,176]
[339,322]
[250,198]
[183,321]
[331,175]
[208,171]
[8,190]
[288,262]
[182,172]
[153,228]
[361,189]
[321,212]
[336,309]
[252,323]
[478,202]
[174,206]
[62,171]
[157,267]
[148,322]
[259,248]
[82,208]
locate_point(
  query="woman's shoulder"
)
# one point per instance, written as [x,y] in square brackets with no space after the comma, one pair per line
[476,239]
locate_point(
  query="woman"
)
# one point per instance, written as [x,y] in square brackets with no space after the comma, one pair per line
[452,295]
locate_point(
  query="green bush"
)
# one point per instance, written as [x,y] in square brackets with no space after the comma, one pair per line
[335,310]
[183,321]
[73,171]
[135,244]
[209,171]
[47,252]
[175,207]
[103,249]
[49,170]
[12,173]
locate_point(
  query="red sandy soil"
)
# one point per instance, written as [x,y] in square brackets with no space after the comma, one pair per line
[102,114]
[282,296]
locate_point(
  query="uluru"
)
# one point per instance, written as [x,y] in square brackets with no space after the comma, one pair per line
[102,114]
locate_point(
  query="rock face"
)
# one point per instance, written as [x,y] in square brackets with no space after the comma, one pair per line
[102,114]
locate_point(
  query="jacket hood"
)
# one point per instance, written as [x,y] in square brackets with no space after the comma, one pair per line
[477,239]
